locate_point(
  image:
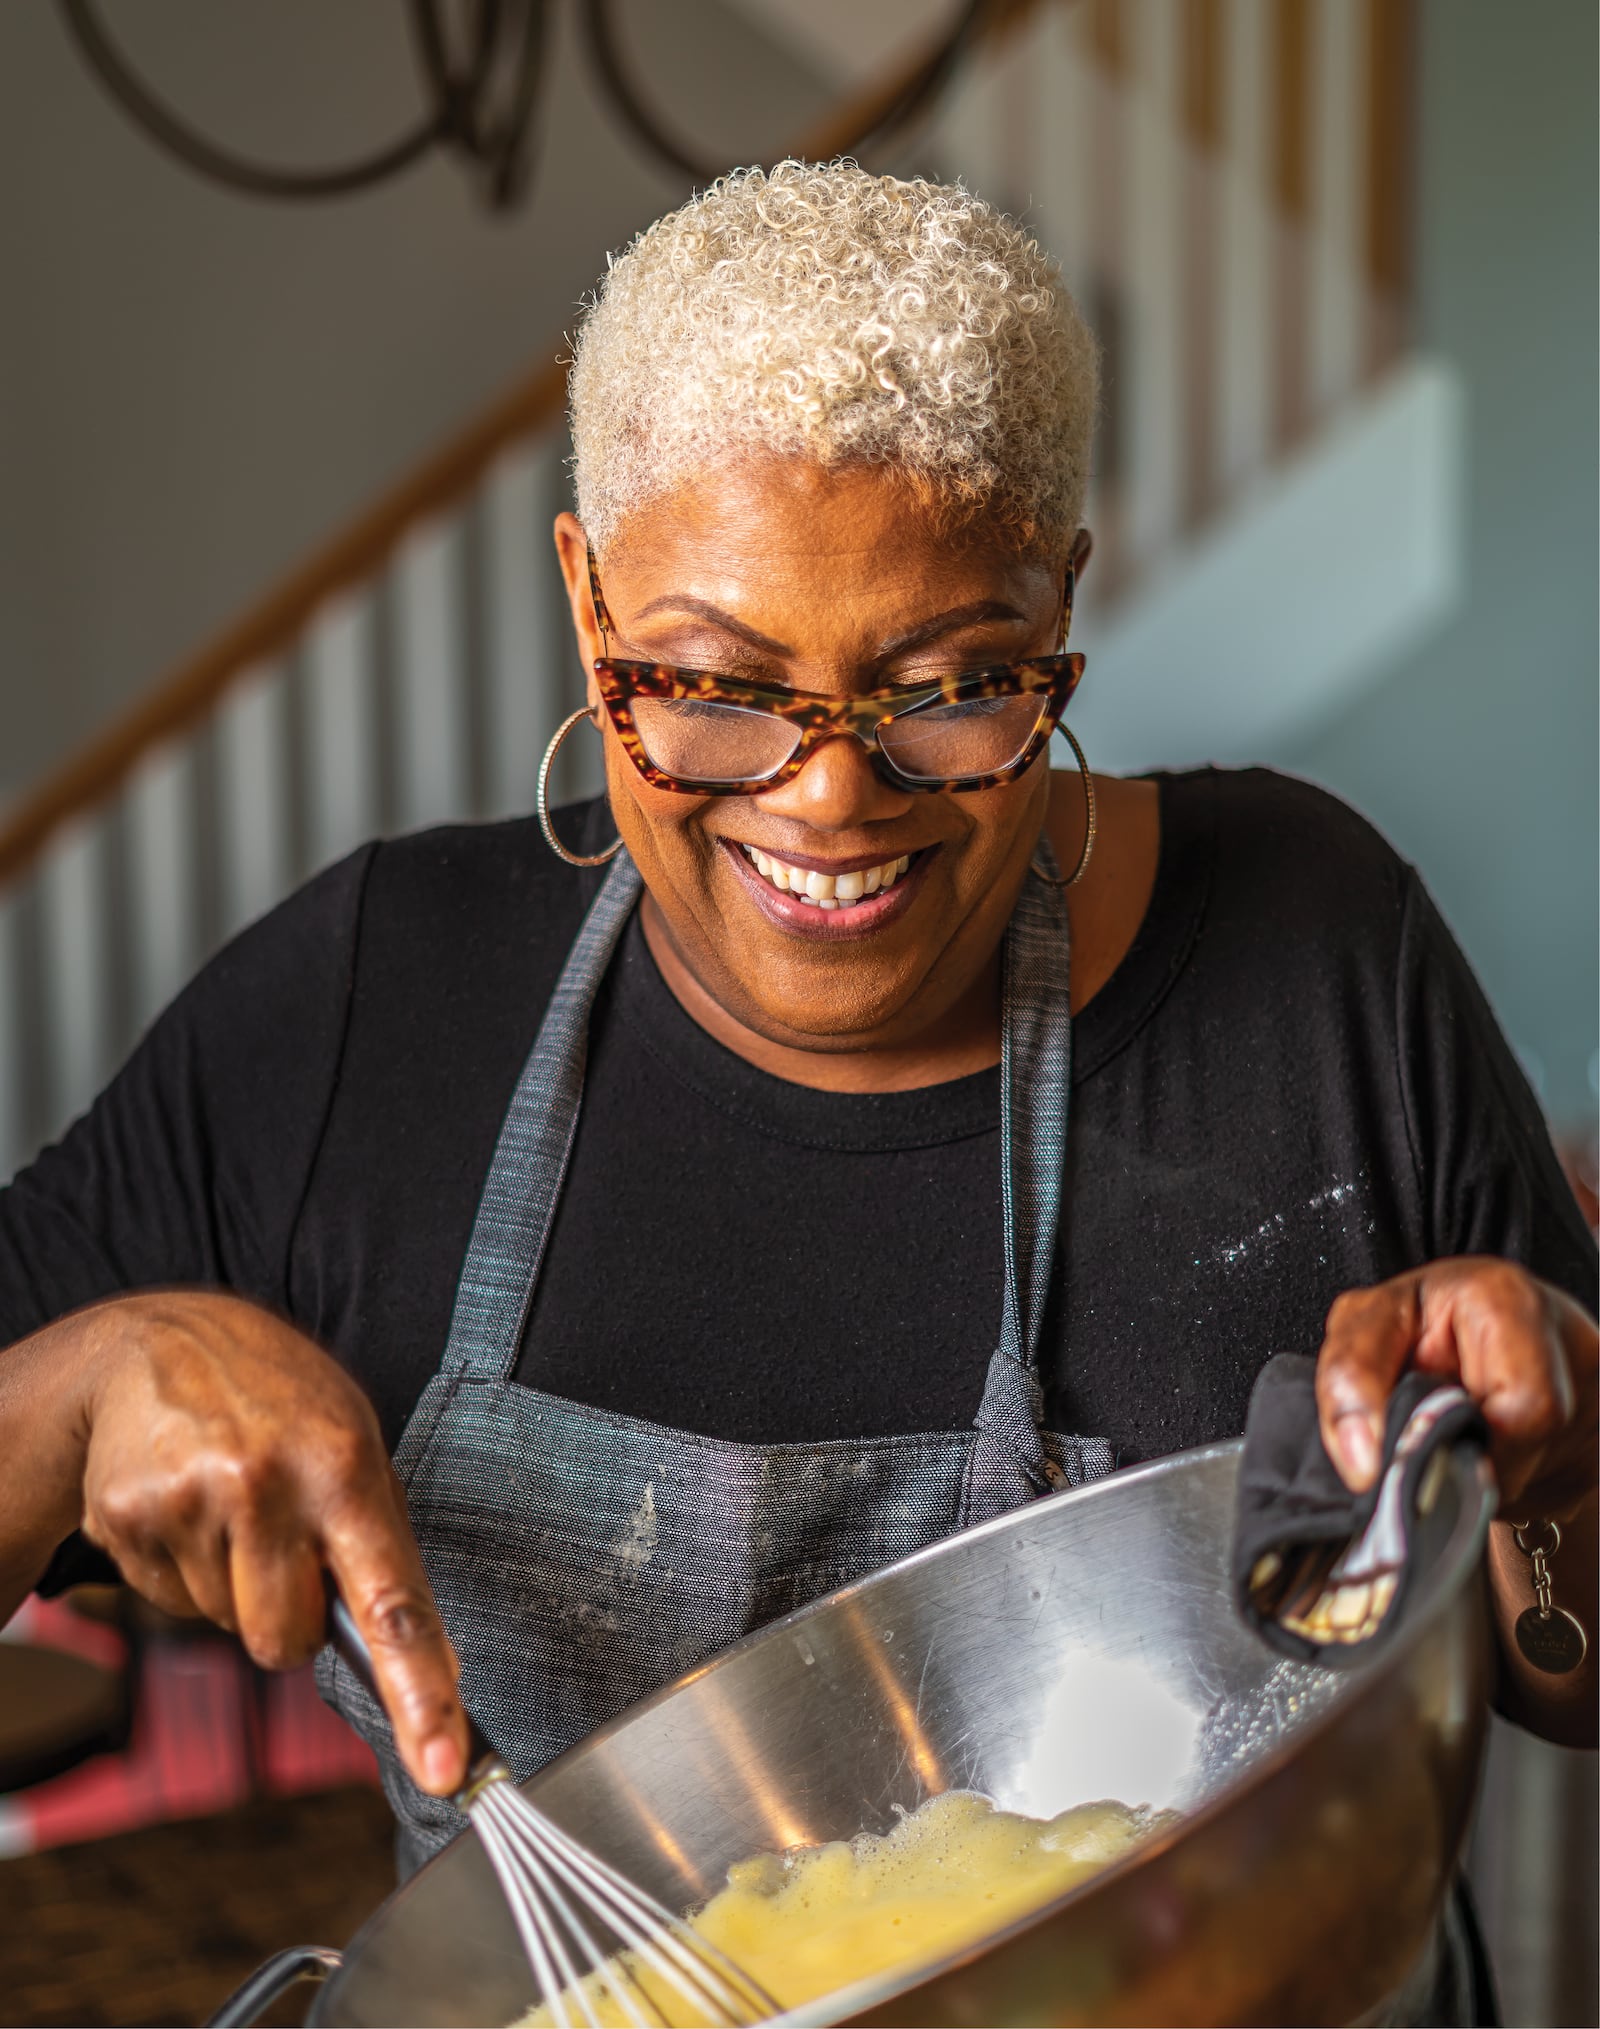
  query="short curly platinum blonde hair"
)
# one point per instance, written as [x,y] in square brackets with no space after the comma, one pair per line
[820,311]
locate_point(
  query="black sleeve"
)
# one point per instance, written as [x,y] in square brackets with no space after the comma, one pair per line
[191,1165]
[1489,1178]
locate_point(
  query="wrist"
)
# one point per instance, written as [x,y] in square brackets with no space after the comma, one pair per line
[46,1388]
[52,1387]
[90,1348]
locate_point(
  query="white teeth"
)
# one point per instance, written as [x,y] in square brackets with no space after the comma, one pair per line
[827,891]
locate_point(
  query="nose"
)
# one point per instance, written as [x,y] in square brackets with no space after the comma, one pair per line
[837,789]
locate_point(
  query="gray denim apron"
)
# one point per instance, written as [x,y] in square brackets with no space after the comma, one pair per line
[581,1559]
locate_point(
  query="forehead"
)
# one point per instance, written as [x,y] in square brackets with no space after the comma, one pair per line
[813,541]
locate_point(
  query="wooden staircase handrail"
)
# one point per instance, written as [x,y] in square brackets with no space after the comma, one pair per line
[183,698]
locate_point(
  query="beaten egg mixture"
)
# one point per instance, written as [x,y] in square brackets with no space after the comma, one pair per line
[809,1922]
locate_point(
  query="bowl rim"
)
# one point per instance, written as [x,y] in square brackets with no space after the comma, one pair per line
[1457,1561]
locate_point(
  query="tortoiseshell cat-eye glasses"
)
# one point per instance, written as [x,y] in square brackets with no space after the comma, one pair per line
[707,734]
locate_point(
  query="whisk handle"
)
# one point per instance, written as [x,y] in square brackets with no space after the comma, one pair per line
[351,1645]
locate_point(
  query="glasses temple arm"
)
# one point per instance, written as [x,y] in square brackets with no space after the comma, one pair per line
[602,617]
[1069,585]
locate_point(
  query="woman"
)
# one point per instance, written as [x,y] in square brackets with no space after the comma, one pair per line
[758,1318]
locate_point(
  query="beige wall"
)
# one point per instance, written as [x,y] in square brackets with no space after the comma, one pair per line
[1477,754]
[195,387]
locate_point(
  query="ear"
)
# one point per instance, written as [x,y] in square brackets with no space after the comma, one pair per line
[572,549]
[1082,544]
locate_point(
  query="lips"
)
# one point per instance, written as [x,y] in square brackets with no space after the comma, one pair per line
[843,887]
[829,898]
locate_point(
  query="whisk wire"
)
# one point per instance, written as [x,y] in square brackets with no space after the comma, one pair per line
[544,1871]
[508,1814]
[552,1971]
[697,1969]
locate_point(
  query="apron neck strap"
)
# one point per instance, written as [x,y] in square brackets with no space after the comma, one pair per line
[518,1205]
[1036,1076]
[519,1200]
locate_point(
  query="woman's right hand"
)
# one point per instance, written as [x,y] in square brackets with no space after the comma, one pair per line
[227,1463]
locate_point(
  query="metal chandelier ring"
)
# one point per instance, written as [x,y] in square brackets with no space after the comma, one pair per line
[461,117]
[618,80]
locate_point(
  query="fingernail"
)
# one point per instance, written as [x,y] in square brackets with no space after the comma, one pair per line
[1358,1444]
[440,1763]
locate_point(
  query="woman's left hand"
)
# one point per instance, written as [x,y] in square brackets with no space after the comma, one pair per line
[1529,1356]
[1526,1353]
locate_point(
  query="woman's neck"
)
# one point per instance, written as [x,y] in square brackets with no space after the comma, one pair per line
[1105,910]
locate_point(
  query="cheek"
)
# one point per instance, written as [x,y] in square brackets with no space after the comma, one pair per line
[658,826]
[1000,825]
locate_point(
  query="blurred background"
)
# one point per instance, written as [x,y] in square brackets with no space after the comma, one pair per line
[276,481]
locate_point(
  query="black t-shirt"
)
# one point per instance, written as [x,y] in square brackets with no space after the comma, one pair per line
[1291,1085]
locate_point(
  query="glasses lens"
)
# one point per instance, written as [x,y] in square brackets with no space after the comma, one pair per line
[698,741]
[979,736]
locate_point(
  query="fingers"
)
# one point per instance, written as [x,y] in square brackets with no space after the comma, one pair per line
[376,1564]
[155,1576]
[241,1540]
[1492,1327]
[126,1513]
[1491,1324]
[277,1596]
[1487,1323]
[226,1459]
[1367,1342]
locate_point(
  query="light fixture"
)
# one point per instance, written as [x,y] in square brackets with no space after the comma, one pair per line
[480,64]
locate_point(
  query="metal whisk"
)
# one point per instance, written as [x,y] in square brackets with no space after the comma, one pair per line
[557,1890]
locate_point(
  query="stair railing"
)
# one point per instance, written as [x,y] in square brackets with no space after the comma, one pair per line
[1222,179]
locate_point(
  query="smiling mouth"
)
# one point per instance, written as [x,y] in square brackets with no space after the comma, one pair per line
[828,891]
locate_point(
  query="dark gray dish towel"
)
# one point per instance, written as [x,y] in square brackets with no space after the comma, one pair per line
[1319,1572]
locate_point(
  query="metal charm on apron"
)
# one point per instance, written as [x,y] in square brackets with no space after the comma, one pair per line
[581,1559]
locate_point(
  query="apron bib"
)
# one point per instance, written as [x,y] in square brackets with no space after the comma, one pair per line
[581,1559]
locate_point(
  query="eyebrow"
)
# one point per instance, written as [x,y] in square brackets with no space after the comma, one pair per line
[979,611]
[702,609]
[971,615]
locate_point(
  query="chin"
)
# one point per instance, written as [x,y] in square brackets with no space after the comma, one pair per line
[828,1021]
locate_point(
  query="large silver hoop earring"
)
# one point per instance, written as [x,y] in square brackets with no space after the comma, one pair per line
[1071,880]
[541,802]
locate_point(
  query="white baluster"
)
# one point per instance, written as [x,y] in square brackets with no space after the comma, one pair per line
[164,940]
[13,1072]
[76,968]
[1245,284]
[1155,279]
[255,797]
[342,730]
[522,620]
[434,781]
[1062,171]
[1340,140]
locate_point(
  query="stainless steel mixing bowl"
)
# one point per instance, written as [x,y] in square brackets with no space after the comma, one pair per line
[1081,1648]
